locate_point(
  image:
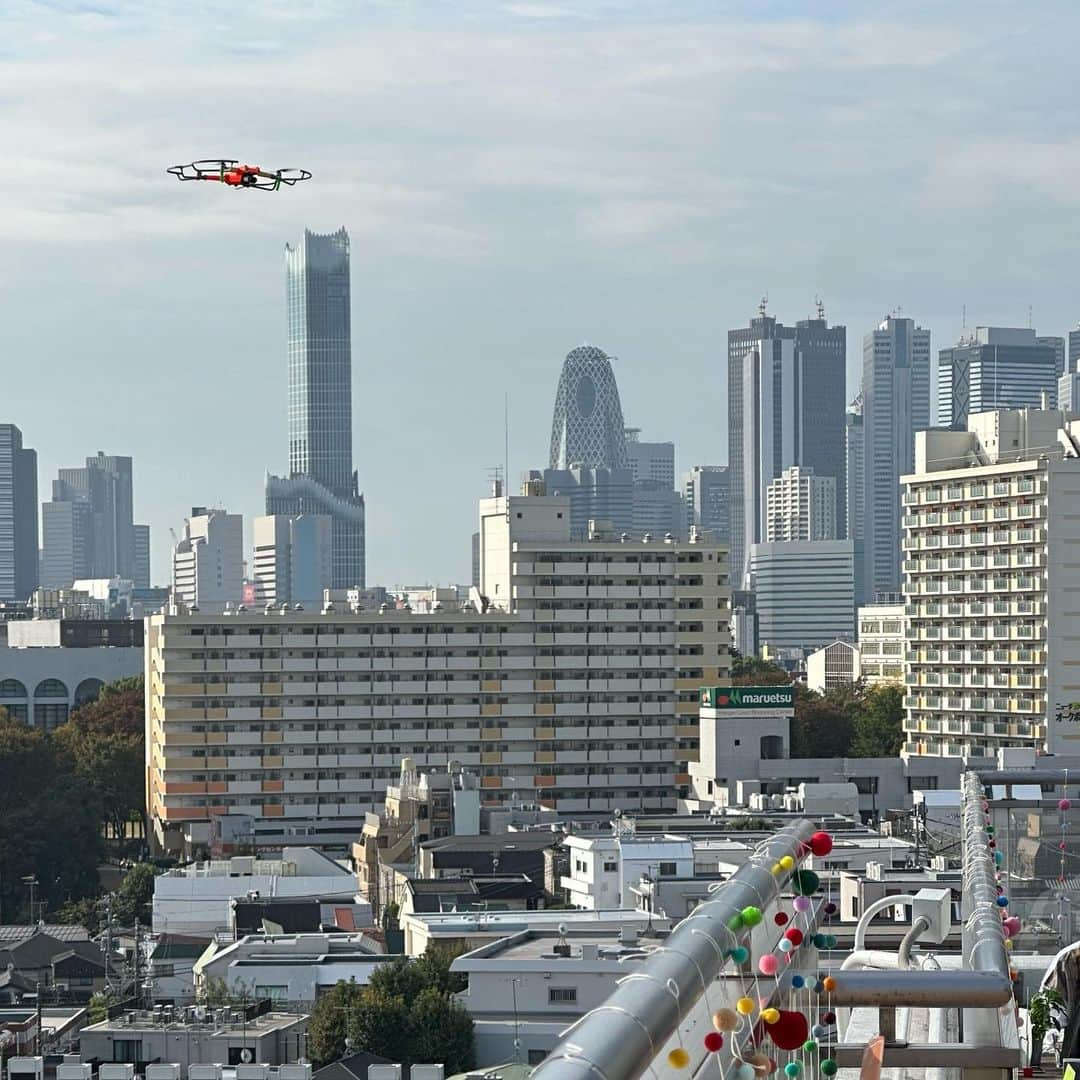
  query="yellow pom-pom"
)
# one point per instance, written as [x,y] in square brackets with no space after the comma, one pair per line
[786,862]
[830,983]
[1008,944]
[745,1006]
[770,1016]
[777,869]
[725,1020]
[678,1058]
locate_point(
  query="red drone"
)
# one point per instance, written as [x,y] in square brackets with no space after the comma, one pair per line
[235,175]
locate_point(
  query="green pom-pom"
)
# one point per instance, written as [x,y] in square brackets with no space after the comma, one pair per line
[805,883]
[750,916]
[828,1067]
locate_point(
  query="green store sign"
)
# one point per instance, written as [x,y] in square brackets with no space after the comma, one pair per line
[748,697]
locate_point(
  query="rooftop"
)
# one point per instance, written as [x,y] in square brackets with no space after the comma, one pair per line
[13,932]
[215,1021]
[602,947]
[517,841]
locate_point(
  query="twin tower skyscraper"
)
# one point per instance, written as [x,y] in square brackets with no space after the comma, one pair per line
[321,477]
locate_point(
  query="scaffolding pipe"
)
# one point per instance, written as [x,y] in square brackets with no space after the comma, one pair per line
[983,939]
[619,1039]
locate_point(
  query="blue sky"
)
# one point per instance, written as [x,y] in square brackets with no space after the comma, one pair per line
[516,177]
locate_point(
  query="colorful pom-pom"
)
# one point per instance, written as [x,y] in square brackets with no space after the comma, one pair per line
[768,964]
[794,935]
[744,1006]
[780,918]
[786,862]
[792,1069]
[770,1015]
[714,1042]
[828,1067]
[801,903]
[829,983]
[797,982]
[821,844]
[678,1058]
[1064,804]
[751,916]
[725,1020]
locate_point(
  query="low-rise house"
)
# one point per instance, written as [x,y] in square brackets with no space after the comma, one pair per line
[509,893]
[471,856]
[172,968]
[292,968]
[197,899]
[73,971]
[462,931]
[222,1037]
[527,989]
[603,868]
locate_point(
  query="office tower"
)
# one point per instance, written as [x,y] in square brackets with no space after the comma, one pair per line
[1058,345]
[87,528]
[18,516]
[996,368]
[800,506]
[293,558]
[650,460]
[804,593]
[707,499]
[208,561]
[587,422]
[141,560]
[596,493]
[785,407]
[1073,363]
[855,491]
[990,588]
[321,478]
[519,714]
[895,404]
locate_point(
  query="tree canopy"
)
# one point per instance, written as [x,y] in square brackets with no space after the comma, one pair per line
[105,742]
[407,1013]
[848,721]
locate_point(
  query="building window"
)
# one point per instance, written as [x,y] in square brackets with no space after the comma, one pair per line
[127,1050]
[562,995]
[611,868]
[668,869]
[536,1056]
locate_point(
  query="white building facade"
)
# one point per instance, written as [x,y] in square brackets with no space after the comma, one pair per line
[993,599]
[801,506]
[208,561]
[882,642]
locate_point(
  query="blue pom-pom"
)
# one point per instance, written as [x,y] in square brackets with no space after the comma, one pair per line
[1003,901]
[798,982]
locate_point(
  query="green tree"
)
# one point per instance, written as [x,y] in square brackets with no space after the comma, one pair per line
[216,994]
[381,1024]
[83,913]
[435,970]
[879,724]
[104,741]
[1040,1013]
[49,826]
[133,898]
[754,671]
[441,1032]
[821,728]
[97,1008]
[329,1023]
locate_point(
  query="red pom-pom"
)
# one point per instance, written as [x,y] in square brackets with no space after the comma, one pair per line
[821,843]
[714,1041]
[780,918]
[794,935]
[790,1031]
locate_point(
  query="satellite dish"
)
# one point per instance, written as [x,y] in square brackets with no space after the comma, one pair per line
[246,1056]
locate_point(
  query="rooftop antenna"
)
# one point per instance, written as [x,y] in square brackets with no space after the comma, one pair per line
[1029,316]
[820,308]
[763,305]
[506,439]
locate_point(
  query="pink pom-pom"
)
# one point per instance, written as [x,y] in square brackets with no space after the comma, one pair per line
[1064,804]
[768,964]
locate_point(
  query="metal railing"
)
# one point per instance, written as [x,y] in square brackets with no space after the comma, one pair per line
[619,1039]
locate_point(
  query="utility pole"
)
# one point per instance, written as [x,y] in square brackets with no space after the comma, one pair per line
[138,985]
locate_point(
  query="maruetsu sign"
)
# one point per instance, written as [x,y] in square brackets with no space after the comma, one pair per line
[748,697]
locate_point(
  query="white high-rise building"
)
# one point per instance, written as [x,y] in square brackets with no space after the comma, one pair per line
[896,404]
[801,506]
[991,544]
[293,558]
[208,561]
[707,499]
[882,641]
[1068,398]
[804,592]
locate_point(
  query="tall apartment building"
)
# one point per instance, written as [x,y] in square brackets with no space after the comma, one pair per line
[990,547]
[140,573]
[18,516]
[804,593]
[87,528]
[208,561]
[658,507]
[855,491]
[785,407]
[997,367]
[293,558]
[800,506]
[321,477]
[707,500]
[896,404]
[596,492]
[1073,358]
[577,678]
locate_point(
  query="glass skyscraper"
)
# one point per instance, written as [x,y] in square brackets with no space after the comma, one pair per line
[321,478]
[18,516]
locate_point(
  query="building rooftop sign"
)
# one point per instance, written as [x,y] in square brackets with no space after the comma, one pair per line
[748,697]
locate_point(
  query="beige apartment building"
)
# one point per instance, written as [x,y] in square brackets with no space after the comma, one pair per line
[992,586]
[573,679]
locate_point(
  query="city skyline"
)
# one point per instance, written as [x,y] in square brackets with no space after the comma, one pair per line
[560,215]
